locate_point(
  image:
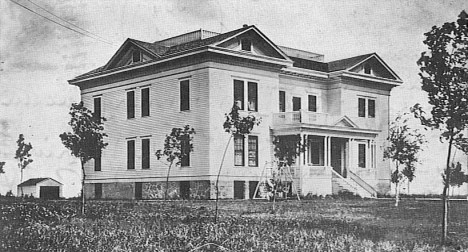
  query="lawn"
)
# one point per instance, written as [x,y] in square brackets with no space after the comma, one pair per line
[308,225]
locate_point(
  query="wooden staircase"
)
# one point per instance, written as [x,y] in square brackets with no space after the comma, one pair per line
[353,184]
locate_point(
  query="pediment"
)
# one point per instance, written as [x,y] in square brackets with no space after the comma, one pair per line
[345,122]
[374,66]
[259,44]
[131,52]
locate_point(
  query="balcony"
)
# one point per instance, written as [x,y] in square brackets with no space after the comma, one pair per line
[324,119]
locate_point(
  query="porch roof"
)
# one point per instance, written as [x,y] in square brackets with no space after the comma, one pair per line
[324,130]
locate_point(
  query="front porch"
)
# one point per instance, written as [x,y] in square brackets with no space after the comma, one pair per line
[336,158]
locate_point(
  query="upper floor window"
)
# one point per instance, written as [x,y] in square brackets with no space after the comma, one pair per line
[145,153]
[246,45]
[296,103]
[366,111]
[130,104]
[184,95]
[145,102]
[97,109]
[282,101]
[136,56]
[252,95]
[131,154]
[253,151]
[312,103]
[239,150]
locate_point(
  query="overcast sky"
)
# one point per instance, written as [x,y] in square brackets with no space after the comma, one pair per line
[38,57]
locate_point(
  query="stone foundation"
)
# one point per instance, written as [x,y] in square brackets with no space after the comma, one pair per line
[156,190]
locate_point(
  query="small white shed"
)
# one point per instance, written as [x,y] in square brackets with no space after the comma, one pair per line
[44,188]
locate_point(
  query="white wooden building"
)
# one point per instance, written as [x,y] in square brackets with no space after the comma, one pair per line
[46,188]
[340,109]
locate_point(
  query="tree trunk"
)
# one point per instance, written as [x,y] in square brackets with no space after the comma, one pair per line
[217,178]
[167,180]
[22,194]
[397,193]
[445,206]
[82,189]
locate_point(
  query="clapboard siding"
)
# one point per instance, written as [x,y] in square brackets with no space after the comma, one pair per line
[164,115]
[221,87]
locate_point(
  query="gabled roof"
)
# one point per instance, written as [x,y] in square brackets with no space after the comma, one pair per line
[158,50]
[35,181]
[345,122]
[344,64]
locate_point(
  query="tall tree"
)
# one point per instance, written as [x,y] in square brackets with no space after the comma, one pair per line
[23,156]
[404,146]
[177,147]
[444,75]
[234,124]
[86,141]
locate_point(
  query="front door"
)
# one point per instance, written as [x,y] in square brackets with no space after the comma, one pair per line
[338,155]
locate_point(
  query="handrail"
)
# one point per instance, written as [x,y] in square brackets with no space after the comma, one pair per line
[362,183]
[341,177]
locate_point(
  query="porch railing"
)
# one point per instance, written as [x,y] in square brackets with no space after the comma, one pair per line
[300,117]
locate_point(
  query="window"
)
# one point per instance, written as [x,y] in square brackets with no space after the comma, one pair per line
[316,150]
[282,101]
[239,150]
[371,108]
[252,96]
[136,56]
[246,45]
[97,109]
[312,103]
[138,190]
[145,102]
[185,149]
[362,155]
[98,191]
[130,104]
[367,69]
[184,95]
[239,94]
[184,187]
[131,154]
[253,151]
[362,107]
[97,161]
[145,153]
[296,103]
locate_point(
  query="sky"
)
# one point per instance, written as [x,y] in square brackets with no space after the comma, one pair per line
[37,57]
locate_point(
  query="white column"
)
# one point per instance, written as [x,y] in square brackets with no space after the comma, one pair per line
[329,150]
[325,151]
[301,154]
[351,163]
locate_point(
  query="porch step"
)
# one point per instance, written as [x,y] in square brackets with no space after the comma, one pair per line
[340,184]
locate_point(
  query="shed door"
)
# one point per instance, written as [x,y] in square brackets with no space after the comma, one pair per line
[49,192]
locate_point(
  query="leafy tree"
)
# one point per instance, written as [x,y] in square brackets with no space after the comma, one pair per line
[86,141]
[444,75]
[177,146]
[404,145]
[286,150]
[23,156]
[235,124]
[458,177]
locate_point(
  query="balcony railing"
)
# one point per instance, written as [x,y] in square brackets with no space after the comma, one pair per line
[301,117]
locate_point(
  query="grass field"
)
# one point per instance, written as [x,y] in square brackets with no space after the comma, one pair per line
[308,225]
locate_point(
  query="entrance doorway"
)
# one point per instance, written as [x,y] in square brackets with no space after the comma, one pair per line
[338,155]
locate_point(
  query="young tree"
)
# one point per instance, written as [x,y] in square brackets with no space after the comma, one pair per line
[444,75]
[458,177]
[1,167]
[286,150]
[177,147]
[86,141]
[404,146]
[23,156]
[235,124]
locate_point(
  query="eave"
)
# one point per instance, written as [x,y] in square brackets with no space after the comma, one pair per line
[345,73]
[324,129]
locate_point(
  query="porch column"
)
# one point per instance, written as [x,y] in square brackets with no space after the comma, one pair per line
[328,150]
[301,154]
[351,154]
[325,153]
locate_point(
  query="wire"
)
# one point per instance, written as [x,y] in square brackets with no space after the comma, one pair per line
[84,34]
[67,21]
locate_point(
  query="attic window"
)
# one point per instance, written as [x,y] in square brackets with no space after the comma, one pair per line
[136,56]
[367,68]
[246,45]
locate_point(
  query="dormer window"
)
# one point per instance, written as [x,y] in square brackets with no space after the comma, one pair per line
[367,68]
[136,56]
[246,45]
